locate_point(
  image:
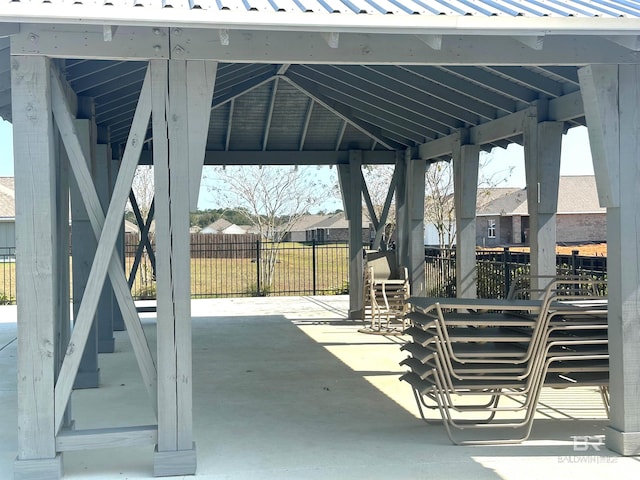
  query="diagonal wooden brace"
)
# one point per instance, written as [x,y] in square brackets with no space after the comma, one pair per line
[106,259]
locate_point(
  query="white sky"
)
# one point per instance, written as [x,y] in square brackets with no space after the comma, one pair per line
[575,160]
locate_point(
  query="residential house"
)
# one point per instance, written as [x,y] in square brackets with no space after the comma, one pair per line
[223,226]
[7,215]
[298,231]
[504,219]
[335,228]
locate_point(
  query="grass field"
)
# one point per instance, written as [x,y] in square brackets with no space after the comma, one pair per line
[294,273]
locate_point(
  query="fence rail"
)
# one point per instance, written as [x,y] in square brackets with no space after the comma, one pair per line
[235,268]
[496,270]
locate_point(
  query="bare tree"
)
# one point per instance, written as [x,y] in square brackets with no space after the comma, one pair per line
[273,200]
[439,207]
[378,179]
[143,189]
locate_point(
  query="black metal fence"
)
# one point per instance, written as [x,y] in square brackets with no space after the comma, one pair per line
[257,268]
[7,275]
[496,270]
[248,267]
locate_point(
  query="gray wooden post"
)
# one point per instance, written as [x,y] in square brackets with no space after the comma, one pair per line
[104,315]
[83,247]
[37,253]
[542,147]
[64,274]
[402,234]
[415,222]
[176,86]
[350,177]
[116,314]
[612,107]
[465,171]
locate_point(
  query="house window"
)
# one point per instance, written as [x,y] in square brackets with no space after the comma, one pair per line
[491,229]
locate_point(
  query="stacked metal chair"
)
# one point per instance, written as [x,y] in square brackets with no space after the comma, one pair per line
[485,371]
[386,291]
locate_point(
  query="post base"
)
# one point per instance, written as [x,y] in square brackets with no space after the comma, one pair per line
[38,469]
[176,462]
[624,443]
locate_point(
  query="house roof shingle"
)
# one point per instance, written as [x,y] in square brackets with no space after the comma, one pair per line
[576,194]
[7,198]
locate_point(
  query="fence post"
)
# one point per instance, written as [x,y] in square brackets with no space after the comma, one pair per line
[507,271]
[574,261]
[313,264]
[258,267]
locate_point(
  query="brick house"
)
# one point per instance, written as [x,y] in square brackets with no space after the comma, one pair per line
[503,217]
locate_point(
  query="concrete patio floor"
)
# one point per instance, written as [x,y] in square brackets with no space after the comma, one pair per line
[286,388]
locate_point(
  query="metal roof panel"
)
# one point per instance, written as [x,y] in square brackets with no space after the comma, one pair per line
[488,8]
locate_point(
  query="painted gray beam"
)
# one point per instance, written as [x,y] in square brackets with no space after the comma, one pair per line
[140,43]
[566,108]
[104,315]
[342,113]
[421,92]
[350,90]
[269,114]
[286,157]
[175,452]
[8,29]
[542,148]
[280,47]
[437,148]
[277,157]
[402,215]
[340,135]
[224,95]
[305,127]
[201,80]
[118,319]
[599,89]
[416,169]
[63,327]
[494,82]
[230,74]
[562,109]
[350,177]
[107,229]
[107,75]
[35,177]
[466,161]
[227,137]
[83,248]
[445,93]
[567,73]
[114,91]
[110,112]
[531,79]
[392,128]
[385,113]
[123,437]
[612,106]
[368,83]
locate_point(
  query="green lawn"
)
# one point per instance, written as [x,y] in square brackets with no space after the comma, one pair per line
[217,277]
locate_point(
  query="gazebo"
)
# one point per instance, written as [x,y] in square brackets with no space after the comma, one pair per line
[95,88]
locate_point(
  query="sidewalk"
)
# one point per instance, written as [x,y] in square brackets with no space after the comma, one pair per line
[285,388]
